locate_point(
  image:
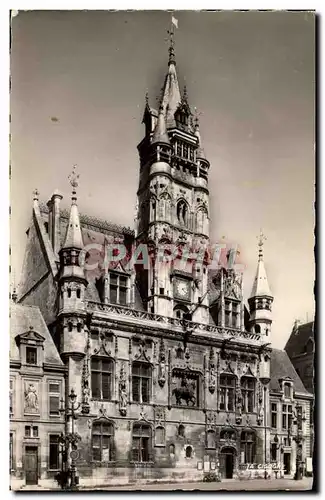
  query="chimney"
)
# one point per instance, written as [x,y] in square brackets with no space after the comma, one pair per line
[54,220]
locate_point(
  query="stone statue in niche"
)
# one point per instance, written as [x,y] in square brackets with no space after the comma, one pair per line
[260,415]
[185,392]
[123,392]
[239,406]
[85,407]
[31,399]
[162,365]
[212,373]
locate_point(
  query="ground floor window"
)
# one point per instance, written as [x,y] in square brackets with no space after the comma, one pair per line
[54,452]
[247,447]
[141,443]
[103,441]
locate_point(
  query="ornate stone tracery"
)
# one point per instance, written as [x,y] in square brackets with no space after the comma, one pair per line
[85,406]
[123,391]
[212,372]
[162,364]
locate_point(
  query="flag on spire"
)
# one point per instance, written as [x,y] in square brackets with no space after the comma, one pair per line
[174,21]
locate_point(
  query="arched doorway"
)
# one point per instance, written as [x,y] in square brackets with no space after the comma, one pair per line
[227,462]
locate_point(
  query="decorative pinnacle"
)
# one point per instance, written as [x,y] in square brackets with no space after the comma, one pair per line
[261,239]
[171,50]
[36,194]
[73,178]
[147,98]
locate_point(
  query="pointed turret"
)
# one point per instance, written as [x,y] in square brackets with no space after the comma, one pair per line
[73,243]
[261,285]
[200,154]
[261,299]
[171,96]
[160,134]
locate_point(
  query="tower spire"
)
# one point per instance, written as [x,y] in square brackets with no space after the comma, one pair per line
[171,96]
[73,237]
[261,298]
[261,285]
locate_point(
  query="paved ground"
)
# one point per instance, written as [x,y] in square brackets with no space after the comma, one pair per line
[234,485]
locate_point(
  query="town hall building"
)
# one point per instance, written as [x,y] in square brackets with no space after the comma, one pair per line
[173,369]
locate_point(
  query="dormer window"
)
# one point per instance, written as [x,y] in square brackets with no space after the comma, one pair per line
[31,356]
[118,289]
[31,346]
[287,390]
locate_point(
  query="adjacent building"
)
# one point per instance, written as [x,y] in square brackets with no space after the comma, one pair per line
[37,384]
[174,371]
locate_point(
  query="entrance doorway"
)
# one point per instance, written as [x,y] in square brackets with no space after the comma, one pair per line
[227,462]
[31,464]
[286,463]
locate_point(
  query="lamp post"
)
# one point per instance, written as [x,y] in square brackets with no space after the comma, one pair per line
[265,381]
[69,441]
[299,418]
[277,446]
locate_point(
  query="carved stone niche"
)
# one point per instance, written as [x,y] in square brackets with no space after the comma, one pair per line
[228,437]
[162,369]
[142,348]
[105,345]
[212,372]
[185,387]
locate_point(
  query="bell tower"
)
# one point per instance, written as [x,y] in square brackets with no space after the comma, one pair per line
[173,205]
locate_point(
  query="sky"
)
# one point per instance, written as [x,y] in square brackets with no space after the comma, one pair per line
[250,75]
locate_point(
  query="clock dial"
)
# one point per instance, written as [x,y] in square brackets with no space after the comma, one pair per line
[182,289]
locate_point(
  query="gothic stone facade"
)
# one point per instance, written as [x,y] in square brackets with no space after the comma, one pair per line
[167,362]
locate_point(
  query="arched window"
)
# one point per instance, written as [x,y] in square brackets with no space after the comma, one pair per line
[247,447]
[78,293]
[159,436]
[141,443]
[257,329]
[179,353]
[102,441]
[141,382]
[182,212]
[70,326]
[181,430]
[102,370]
[172,449]
[227,392]
[79,327]
[69,293]
[188,451]
[248,393]
[180,311]
[211,440]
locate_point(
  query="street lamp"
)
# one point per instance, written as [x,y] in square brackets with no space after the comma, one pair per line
[299,417]
[265,381]
[69,441]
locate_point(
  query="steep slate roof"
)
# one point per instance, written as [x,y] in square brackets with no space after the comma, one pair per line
[299,338]
[282,367]
[21,319]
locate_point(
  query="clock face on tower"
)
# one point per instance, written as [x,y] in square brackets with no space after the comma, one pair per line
[182,289]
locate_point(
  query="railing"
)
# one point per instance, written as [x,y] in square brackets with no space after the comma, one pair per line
[166,320]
